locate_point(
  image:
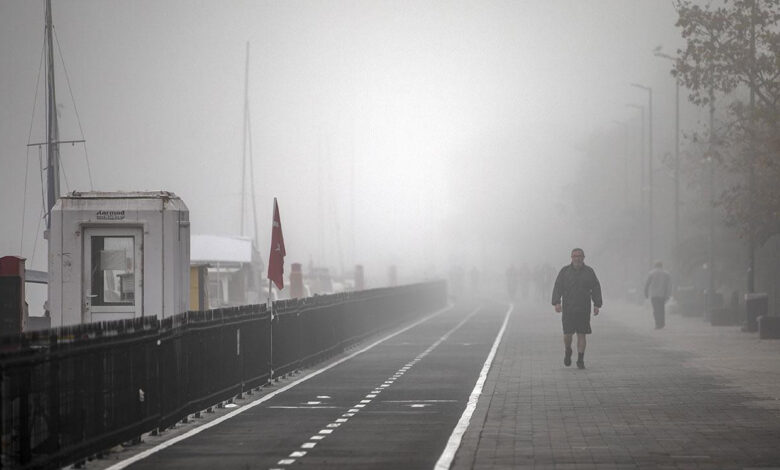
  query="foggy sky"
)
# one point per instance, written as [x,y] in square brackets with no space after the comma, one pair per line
[417,133]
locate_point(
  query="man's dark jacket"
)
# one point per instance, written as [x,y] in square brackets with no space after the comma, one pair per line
[577,286]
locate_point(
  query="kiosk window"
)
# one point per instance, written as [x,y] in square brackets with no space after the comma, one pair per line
[113,276]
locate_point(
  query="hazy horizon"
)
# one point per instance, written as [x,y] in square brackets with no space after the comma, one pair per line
[420,134]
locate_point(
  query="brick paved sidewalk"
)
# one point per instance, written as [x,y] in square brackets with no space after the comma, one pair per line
[688,396]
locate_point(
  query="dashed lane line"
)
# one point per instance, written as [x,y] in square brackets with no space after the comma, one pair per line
[297,455]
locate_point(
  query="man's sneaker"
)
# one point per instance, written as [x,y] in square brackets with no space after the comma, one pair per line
[567,358]
[580,364]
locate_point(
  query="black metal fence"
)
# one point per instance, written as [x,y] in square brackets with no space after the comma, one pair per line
[74,392]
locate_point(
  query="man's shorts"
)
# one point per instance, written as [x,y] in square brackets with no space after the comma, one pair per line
[576,323]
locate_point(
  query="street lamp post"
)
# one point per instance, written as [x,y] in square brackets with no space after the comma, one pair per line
[711,158]
[625,239]
[641,154]
[642,261]
[676,152]
[624,125]
[649,168]
[751,165]
[677,165]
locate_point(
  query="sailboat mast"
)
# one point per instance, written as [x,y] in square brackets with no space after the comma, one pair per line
[248,153]
[52,128]
[246,118]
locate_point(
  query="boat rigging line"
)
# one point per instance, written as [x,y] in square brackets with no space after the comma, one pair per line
[52,142]
[27,157]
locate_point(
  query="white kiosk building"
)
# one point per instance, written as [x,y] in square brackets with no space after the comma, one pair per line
[118,255]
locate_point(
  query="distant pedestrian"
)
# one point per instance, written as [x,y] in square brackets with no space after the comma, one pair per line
[659,288]
[576,287]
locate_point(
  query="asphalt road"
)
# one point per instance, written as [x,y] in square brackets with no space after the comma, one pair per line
[392,406]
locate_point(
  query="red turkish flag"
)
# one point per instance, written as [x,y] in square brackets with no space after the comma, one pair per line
[276,258]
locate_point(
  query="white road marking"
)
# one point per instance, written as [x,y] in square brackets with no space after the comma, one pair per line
[308,445]
[420,401]
[298,453]
[302,407]
[317,438]
[285,462]
[445,460]
[323,397]
[387,383]
[142,455]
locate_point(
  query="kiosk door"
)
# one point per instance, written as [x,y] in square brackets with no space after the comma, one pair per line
[113,273]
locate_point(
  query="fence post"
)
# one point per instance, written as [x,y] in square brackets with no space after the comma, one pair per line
[25,454]
[54,394]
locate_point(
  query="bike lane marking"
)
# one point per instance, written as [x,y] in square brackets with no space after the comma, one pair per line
[356,408]
[445,460]
[142,455]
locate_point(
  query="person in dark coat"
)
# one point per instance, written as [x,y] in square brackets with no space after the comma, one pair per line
[576,287]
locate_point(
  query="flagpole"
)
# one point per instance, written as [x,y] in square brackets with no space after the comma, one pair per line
[271,334]
[275,267]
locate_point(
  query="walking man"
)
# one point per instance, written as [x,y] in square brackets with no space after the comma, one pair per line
[575,288]
[659,288]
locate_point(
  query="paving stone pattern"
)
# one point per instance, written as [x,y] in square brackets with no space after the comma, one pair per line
[688,396]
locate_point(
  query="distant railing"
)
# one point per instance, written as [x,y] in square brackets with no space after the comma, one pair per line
[73,392]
